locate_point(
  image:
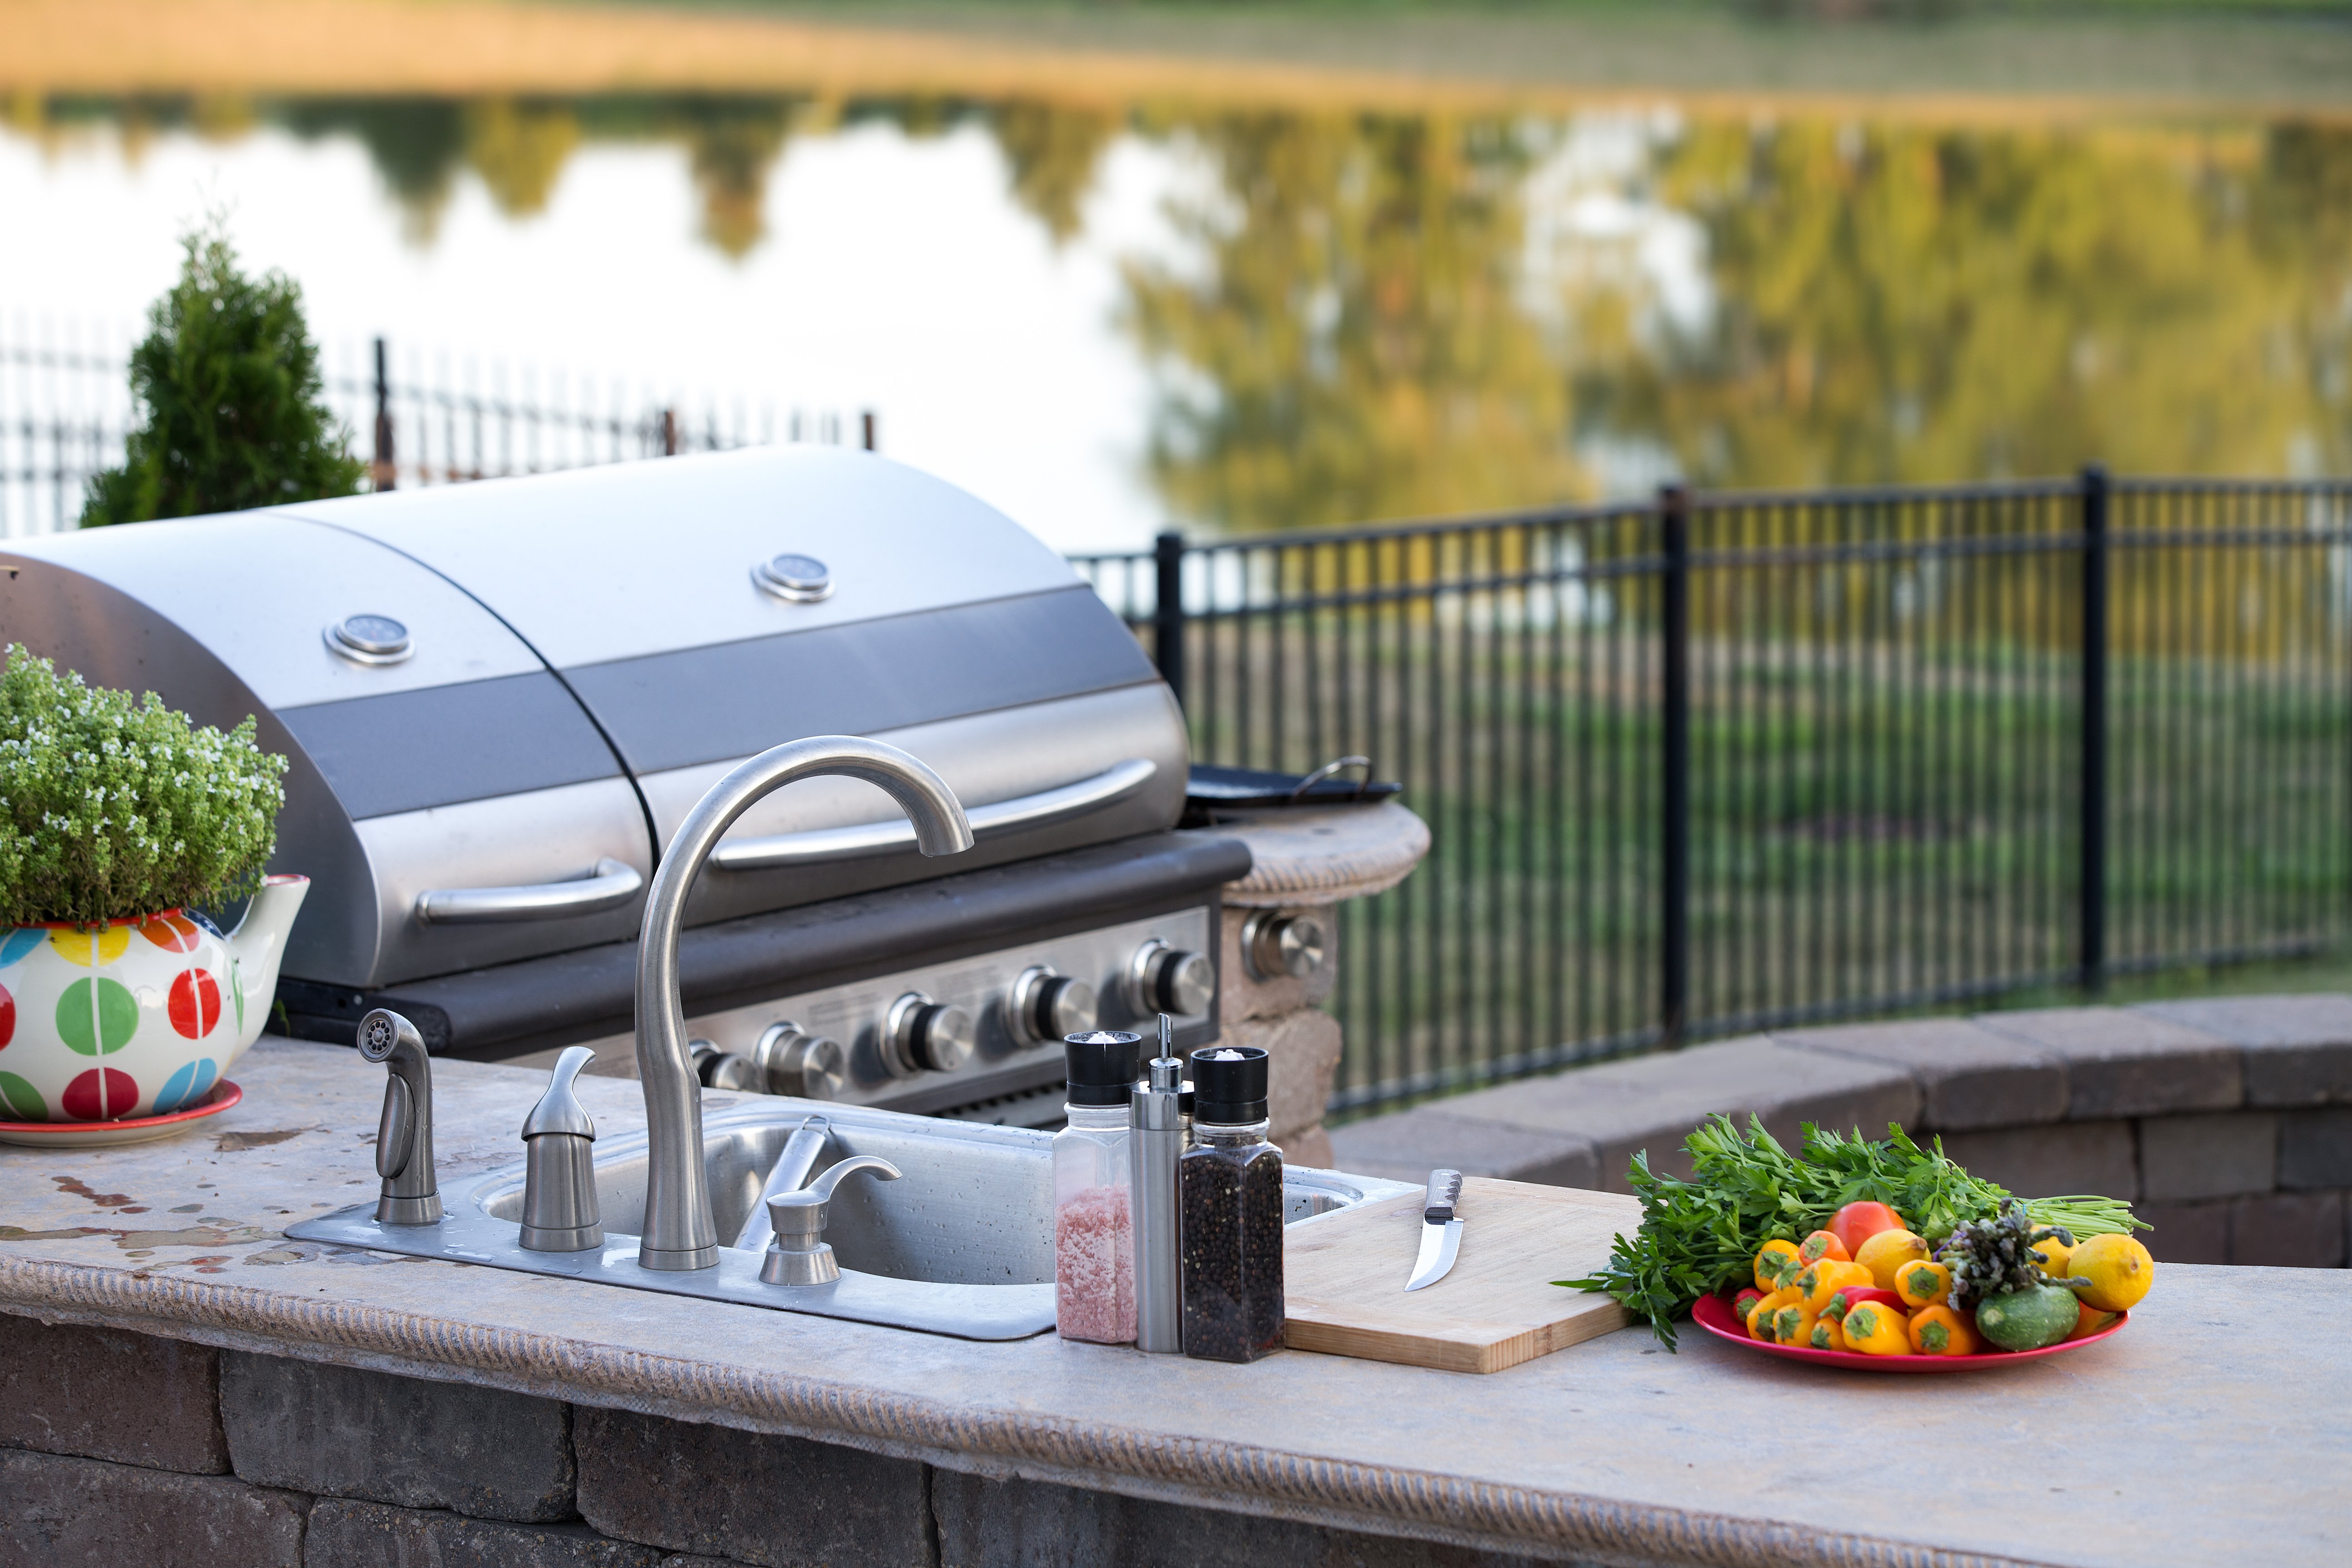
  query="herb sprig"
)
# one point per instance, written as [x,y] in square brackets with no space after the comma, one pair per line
[114,806]
[1698,1235]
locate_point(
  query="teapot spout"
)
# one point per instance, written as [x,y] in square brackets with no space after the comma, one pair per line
[256,949]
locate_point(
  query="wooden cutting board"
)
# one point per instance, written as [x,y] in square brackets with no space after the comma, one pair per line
[1343,1278]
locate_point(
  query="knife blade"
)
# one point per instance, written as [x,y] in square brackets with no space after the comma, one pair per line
[1441,1232]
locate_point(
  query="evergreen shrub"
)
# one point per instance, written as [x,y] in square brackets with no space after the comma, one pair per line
[229,380]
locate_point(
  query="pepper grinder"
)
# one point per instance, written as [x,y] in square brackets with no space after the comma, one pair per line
[403,1138]
[1155,1140]
[559,1191]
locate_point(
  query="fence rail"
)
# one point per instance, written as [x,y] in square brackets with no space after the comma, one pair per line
[1719,761]
[65,409]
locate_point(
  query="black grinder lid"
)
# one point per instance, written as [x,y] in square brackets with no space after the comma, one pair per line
[1102,1066]
[1229,1083]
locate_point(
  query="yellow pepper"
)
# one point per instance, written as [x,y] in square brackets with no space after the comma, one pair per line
[1793,1324]
[1760,1316]
[1924,1284]
[1777,1263]
[1821,1280]
[1875,1329]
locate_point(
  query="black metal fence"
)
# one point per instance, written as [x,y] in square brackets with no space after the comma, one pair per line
[1724,762]
[417,418]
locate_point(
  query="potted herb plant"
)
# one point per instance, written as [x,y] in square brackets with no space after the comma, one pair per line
[120,819]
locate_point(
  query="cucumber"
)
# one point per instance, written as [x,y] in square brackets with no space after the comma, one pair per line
[2027,1319]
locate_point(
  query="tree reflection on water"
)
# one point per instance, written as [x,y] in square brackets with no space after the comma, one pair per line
[1373,315]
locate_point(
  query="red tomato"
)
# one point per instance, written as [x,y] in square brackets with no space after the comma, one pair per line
[1857,1223]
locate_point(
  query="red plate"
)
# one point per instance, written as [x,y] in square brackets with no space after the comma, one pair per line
[1714,1315]
[132,1129]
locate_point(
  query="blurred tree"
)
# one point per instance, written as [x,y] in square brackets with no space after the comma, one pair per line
[1899,304]
[230,381]
[1348,345]
[733,143]
[417,146]
[518,150]
[1051,153]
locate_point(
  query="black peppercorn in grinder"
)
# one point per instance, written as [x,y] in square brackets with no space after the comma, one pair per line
[1229,1187]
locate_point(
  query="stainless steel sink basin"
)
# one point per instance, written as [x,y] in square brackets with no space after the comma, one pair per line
[961,1244]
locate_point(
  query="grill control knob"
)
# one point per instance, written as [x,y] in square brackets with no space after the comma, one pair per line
[795,1062]
[1164,979]
[1275,944]
[725,1069]
[921,1035]
[1045,1006]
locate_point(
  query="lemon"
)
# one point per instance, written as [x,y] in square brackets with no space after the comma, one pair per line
[2053,1254]
[1887,1254]
[2119,1270]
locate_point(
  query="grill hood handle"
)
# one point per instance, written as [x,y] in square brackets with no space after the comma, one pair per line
[1047,807]
[612,884]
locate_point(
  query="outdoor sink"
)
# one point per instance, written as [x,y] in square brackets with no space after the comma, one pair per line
[961,1244]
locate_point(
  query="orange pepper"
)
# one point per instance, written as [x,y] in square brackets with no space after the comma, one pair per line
[1829,1334]
[1823,1244]
[2089,1321]
[1924,1284]
[1821,1280]
[1875,1329]
[1777,1263]
[1939,1330]
[1760,1316]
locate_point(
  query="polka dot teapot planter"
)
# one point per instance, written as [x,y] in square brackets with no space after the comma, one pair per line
[140,1018]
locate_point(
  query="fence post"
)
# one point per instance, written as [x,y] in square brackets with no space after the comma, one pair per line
[380,473]
[1674,965]
[669,432]
[2093,832]
[1168,614]
[867,420]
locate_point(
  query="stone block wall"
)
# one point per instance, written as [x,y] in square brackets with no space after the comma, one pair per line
[2227,1121]
[119,1449]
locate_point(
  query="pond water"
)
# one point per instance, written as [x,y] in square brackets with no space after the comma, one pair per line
[1107,322]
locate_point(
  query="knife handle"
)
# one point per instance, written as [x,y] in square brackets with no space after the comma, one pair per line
[1445,1188]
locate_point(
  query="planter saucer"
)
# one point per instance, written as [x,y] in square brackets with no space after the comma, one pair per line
[103,1134]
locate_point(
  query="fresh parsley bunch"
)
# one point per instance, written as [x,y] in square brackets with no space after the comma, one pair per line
[1700,1235]
[113,807]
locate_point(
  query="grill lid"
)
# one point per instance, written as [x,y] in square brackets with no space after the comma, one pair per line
[511,691]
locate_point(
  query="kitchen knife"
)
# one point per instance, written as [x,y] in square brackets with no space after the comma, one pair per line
[1441,1233]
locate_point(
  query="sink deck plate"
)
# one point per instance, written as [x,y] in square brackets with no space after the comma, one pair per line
[469,1235]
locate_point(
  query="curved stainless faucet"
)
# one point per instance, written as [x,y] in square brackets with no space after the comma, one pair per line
[680,1232]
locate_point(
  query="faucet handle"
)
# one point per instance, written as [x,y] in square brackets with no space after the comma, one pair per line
[560,1210]
[800,1254]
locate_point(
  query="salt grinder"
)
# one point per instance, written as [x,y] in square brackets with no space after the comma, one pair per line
[1155,1139]
[403,1138]
[558,1192]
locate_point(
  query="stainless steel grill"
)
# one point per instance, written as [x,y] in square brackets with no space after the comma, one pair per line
[501,699]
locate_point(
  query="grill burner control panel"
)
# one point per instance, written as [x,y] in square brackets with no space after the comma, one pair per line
[948,1036]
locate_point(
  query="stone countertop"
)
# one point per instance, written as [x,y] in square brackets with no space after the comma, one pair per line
[2217,1427]
[1323,856]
